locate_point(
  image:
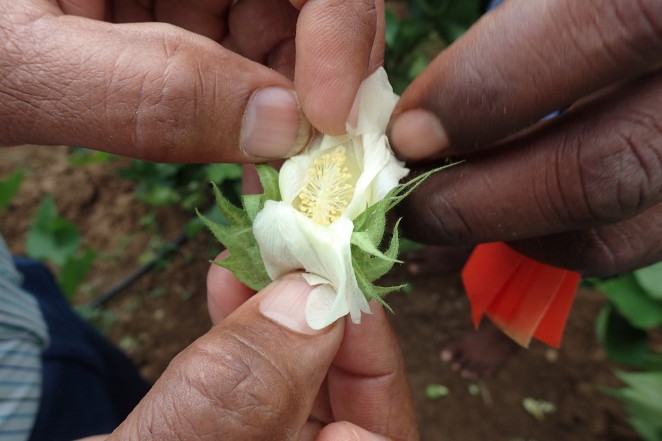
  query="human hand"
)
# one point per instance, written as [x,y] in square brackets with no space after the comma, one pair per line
[581,191]
[257,373]
[216,87]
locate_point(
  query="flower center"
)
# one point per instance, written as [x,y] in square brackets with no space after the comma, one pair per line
[329,188]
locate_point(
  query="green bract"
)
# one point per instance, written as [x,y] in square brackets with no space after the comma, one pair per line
[324,214]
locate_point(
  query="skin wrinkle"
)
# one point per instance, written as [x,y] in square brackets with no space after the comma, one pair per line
[257,360]
[651,19]
[624,192]
[232,403]
[558,200]
[434,208]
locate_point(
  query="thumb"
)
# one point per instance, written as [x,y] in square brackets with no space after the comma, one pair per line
[253,376]
[150,91]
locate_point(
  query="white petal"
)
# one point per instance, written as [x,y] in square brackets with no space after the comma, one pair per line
[293,175]
[376,104]
[313,279]
[389,176]
[323,307]
[275,229]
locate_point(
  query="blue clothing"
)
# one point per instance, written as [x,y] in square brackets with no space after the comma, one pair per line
[60,380]
[89,386]
[23,336]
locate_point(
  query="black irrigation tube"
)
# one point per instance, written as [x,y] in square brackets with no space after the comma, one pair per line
[136,275]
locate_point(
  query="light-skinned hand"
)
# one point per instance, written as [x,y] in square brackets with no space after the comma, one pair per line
[172,81]
[262,374]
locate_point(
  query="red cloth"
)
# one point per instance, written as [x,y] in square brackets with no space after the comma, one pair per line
[523,297]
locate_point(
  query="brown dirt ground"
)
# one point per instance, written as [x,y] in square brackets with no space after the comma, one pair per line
[165,311]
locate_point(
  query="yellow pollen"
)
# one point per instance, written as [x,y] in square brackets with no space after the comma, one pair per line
[328,190]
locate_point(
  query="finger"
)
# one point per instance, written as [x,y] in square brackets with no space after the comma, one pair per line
[204,17]
[147,91]
[367,381]
[224,292]
[602,251]
[253,376]
[598,164]
[335,40]
[518,64]
[347,431]
[93,9]
[275,19]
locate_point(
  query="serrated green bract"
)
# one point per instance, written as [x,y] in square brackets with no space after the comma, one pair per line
[245,261]
[370,260]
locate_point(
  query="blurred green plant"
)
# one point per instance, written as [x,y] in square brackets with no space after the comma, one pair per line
[185,185]
[624,327]
[634,310]
[417,30]
[642,400]
[55,240]
[9,187]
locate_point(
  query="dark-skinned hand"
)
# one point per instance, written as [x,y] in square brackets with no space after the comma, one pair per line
[174,81]
[580,191]
[262,374]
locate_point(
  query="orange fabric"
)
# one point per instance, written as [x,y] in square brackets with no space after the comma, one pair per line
[523,297]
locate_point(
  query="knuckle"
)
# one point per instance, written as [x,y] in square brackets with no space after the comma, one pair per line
[626,31]
[619,175]
[365,11]
[245,387]
[168,104]
[595,256]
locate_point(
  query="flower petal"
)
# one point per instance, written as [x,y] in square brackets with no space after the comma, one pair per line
[376,103]
[323,307]
[289,241]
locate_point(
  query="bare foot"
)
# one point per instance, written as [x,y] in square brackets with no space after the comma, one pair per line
[432,260]
[480,353]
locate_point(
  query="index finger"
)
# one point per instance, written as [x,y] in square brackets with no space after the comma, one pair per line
[520,63]
[338,43]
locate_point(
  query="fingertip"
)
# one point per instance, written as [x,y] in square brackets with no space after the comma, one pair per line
[418,134]
[273,125]
[344,430]
[334,48]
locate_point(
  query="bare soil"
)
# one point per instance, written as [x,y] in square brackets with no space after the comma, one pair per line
[165,311]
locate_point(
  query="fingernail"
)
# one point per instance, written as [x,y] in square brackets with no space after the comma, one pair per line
[273,126]
[285,304]
[418,134]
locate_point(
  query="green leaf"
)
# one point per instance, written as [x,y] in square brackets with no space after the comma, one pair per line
[245,261]
[219,173]
[377,268]
[9,188]
[641,310]
[248,268]
[642,401]
[232,213]
[252,204]
[436,391]
[50,237]
[650,279]
[400,192]
[74,271]
[622,342]
[269,180]
[80,156]
[371,291]
[363,241]
[392,28]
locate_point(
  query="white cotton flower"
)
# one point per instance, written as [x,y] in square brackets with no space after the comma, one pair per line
[323,190]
